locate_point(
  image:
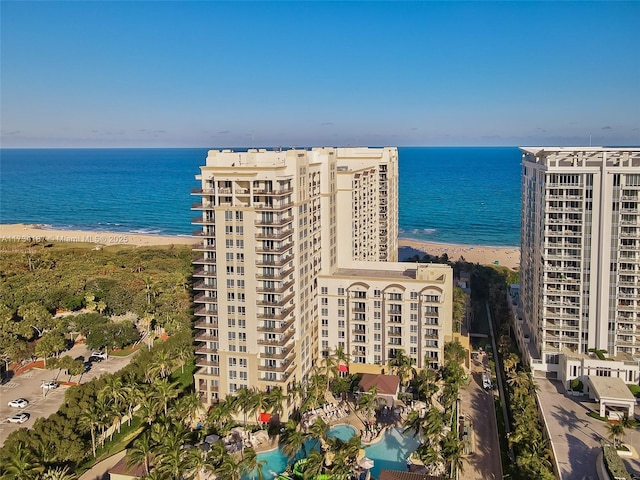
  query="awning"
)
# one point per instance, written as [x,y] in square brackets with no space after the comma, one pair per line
[343,368]
[265,417]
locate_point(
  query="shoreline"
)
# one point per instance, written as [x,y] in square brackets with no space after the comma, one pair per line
[407,247]
[482,254]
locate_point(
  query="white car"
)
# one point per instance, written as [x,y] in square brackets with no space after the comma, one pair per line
[19,403]
[50,385]
[19,418]
[99,355]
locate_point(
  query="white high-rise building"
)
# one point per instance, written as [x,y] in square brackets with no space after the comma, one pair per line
[297,258]
[580,252]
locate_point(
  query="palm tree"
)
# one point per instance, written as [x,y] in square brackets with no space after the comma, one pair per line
[329,368]
[426,383]
[259,404]
[293,440]
[228,469]
[276,400]
[245,401]
[161,365]
[319,430]
[187,407]
[368,402]
[58,473]
[402,364]
[21,464]
[141,451]
[220,417]
[90,419]
[250,465]
[164,392]
[453,453]
[315,464]
[184,354]
[415,423]
[615,431]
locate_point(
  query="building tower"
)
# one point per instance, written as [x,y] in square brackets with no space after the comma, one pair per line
[275,225]
[580,251]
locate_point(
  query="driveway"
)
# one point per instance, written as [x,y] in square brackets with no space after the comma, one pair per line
[43,403]
[575,436]
[478,405]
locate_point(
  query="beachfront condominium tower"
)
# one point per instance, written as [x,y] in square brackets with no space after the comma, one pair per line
[580,258]
[295,244]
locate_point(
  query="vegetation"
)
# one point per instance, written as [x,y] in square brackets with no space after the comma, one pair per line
[613,463]
[121,293]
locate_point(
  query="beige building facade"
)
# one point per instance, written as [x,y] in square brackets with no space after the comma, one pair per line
[279,227]
[580,253]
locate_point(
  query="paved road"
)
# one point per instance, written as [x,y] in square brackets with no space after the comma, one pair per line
[576,436]
[478,404]
[43,404]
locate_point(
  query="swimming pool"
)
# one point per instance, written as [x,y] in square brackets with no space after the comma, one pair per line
[390,452]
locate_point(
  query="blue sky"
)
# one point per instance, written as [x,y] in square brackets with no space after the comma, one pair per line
[213,74]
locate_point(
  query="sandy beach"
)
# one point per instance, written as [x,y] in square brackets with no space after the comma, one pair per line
[35,233]
[484,255]
[507,256]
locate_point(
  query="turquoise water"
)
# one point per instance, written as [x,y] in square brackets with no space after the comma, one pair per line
[447,194]
[389,453]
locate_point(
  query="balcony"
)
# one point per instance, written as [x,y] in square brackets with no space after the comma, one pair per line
[204,261]
[200,233]
[278,235]
[285,286]
[196,206]
[202,298]
[281,275]
[281,329]
[277,356]
[279,191]
[203,337]
[203,349]
[202,285]
[201,272]
[280,341]
[202,191]
[279,316]
[278,303]
[273,206]
[206,324]
[274,222]
[280,368]
[204,311]
[394,333]
[201,361]
[274,249]
[200,221]
[279,262]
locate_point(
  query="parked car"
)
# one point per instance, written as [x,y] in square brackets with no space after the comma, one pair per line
[19,418]
[98,356]
[50,385]
[87,366]
[19,403]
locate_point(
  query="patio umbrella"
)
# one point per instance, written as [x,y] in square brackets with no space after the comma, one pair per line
[211,438]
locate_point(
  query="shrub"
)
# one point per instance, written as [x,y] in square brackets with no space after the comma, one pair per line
[577,385]
[635,389]
[612,462]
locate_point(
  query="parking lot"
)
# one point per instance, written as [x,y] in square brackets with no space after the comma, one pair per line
[42,402]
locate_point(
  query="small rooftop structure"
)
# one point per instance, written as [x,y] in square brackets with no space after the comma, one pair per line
[387,385]
[121,471]
[611,392]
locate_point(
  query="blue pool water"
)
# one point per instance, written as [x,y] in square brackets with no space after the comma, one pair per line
[389,453]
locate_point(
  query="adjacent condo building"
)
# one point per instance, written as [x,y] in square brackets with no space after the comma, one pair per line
[580,254]
[298,257]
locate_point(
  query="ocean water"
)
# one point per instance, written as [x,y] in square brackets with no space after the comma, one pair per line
[467,195]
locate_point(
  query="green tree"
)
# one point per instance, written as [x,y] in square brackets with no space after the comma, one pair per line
[21,464]
[401,364]
[250,465]
[141,451]
[51,343]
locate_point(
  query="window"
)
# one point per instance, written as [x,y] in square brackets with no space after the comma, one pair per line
[230,283]
[341,313]
[324,301]
[228,215]
[231,309]
[414,295]
[376,293]
[231,322]
[229,243]
[325,322]
[239,243]
[341,302]
[242,337]
[232,374]
[340,323]
[377,304]
[395,296]
[230,296]
[240,271]
[243,362]
[232,336]
[239,216]
[325,312]
[229,257]
[240,257]
[340,291]
[233,361]
[325,333]
[324,291]
[243,375]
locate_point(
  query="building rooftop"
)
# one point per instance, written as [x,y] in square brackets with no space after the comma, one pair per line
[611,387]
[386,384]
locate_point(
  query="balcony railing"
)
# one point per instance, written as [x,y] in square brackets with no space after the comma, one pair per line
[280,341]
[273,206]
[278,316]
[275,222]
[206,324]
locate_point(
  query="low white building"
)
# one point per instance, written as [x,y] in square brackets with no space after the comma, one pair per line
[614,396]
